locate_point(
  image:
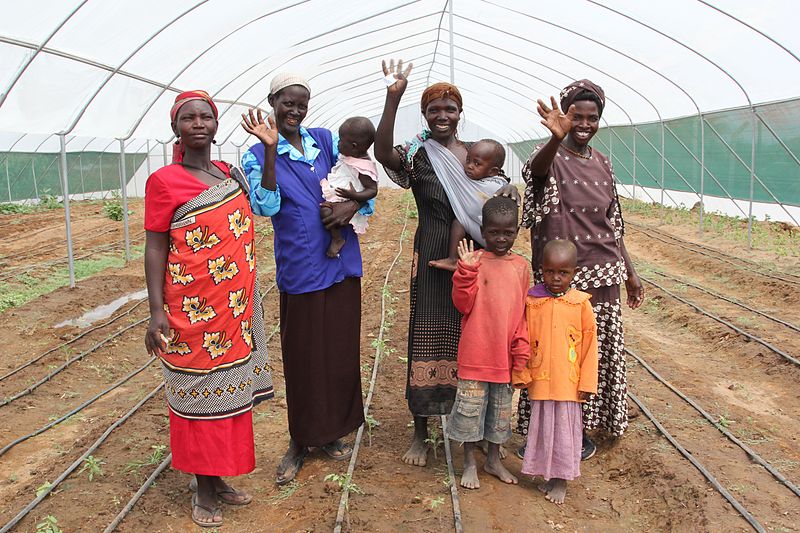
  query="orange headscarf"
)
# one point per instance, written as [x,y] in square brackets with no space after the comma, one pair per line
[441,90]
[185,97]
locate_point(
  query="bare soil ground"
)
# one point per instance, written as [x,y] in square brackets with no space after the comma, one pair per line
[636,483]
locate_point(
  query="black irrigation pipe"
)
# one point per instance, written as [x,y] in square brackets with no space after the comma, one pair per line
[76,410]
[711,479]
[83,334]
[738,330]
[452,475]
[69,362]
[678,242]
[36,253]
[343,502]
[100,249]
[44,493]
[731,300]
[139,493]
[749,451]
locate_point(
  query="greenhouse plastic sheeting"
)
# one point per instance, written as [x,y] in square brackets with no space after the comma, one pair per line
[728,152]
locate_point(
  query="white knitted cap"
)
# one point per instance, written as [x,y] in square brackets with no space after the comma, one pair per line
[285,79]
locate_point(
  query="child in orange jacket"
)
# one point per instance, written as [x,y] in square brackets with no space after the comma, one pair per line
[561,372]
[489,289]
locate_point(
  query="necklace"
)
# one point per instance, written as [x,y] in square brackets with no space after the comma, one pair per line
[184,165]
[578,154]
[556,294]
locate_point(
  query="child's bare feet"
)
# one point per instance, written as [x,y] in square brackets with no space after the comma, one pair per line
[337,242]
[469,479]
[499,471]
[449,263]
[417,454]
[558,491]
[545,486]
[484,447]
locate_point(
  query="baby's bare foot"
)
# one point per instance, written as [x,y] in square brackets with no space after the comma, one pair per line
[469,479]
[500,472]
[449,264]
[417,454]
[335,247]
[558,491]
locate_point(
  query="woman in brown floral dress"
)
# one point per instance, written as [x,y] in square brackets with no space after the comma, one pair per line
[571,194]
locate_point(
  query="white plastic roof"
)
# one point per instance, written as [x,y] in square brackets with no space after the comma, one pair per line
[111,69]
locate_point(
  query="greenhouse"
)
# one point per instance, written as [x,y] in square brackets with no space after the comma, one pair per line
[698,115]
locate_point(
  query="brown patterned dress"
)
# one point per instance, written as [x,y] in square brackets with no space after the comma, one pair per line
[578,201]
[434,325]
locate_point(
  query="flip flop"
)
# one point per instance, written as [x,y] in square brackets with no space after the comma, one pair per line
[225,495]
[212,511]
[291,469]
[345,451]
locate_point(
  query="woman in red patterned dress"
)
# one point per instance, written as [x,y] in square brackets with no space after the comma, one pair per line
[206,321]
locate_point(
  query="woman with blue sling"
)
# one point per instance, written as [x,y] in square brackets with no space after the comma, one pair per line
[320,297]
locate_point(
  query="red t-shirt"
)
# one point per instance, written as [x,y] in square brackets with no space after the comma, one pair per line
[169,188]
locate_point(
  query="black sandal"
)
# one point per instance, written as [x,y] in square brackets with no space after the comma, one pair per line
[212,511]
[290,467]
[345,451]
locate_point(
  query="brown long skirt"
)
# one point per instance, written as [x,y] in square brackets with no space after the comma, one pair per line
[320,341]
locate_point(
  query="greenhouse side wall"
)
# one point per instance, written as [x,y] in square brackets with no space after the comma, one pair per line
[725,146]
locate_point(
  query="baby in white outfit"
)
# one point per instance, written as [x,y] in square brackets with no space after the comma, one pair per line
[354,177]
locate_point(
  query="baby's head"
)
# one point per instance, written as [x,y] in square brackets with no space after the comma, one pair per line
[356,135]
[485,158]
[559,263]
[499,224]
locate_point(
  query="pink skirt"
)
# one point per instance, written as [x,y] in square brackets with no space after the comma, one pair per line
[554,440]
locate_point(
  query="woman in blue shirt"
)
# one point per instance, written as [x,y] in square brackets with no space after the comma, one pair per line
[320,297]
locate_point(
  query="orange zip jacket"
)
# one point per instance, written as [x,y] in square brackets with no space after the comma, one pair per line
[563,339]
[494,335]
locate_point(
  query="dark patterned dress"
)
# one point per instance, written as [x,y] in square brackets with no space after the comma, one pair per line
[434,325]
[578,201]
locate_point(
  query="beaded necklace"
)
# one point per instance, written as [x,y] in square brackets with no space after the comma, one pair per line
[578,154]
[556,294]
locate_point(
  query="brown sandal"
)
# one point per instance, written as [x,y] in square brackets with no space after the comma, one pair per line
[212,511]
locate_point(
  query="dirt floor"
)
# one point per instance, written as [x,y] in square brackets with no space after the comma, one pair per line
[636,483]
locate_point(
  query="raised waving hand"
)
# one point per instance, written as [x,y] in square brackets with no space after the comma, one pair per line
[553,119]
[266,132]
[400,75]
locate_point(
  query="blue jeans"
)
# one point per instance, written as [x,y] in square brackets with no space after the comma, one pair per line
[481,411]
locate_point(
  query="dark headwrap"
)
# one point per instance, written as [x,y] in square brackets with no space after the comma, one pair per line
[183,98]
[441,90]
[572,90]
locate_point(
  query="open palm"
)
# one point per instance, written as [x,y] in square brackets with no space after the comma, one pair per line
[266,132]
[553,119]
[399,86]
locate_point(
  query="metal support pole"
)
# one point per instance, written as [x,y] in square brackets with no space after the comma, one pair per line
[80,169]
[8,179]
[100,160]
[452,52]
[164,153]
[238,156]
[33,171]
[219,152]
[147,159]
[123,188]
[752,179]
[663,206]
[65,190]
[634,162]
[702,170]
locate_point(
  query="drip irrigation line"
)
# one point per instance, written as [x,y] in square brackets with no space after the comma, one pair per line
[731,300]
[701,252]
[78,357]
[750,453]
[139,493]
[76,410]
[44,493]
[83,334]
[343,502]
[99,249]
[738,330]
[711,479]
[36,253]
[452,475]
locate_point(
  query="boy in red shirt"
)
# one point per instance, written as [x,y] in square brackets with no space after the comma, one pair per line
[489,289]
